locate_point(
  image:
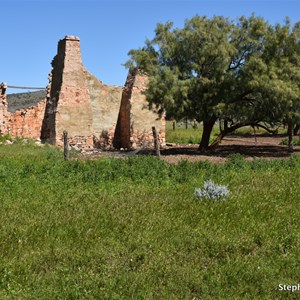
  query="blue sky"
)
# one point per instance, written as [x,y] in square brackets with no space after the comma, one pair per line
[108,29]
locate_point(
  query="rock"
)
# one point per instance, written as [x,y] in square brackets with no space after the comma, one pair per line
[38,142]
[75,148]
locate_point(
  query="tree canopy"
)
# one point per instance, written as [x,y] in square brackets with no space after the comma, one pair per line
[244,72]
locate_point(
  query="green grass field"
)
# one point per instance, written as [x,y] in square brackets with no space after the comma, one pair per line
[132,228]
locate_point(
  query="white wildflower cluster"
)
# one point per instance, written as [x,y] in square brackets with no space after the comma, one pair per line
[212,191]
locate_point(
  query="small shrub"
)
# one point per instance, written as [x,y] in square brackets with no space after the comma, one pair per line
[5,137]
[212,191]
[285,141]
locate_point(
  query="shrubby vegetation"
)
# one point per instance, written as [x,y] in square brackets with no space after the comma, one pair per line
[212,191]
[132,228]
[285,141]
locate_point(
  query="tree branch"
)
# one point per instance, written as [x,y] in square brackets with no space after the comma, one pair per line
[275,131]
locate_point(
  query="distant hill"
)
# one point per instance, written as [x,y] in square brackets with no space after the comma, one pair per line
[25,100]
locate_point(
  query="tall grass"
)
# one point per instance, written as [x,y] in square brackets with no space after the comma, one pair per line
[132,229]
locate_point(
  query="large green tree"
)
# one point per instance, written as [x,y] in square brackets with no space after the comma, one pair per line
[281,88]
[217,69]
[272,83]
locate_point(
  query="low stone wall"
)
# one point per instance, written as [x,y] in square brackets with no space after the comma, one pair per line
[26,122]
[23,122]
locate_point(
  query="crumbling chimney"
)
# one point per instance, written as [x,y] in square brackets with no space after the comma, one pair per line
[68,107]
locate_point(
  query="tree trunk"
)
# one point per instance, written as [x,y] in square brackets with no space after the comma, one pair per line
[290,138]
[207,129]
[224,132]
[218,139]
[296,129]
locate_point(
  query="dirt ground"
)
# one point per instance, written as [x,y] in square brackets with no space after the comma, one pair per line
[250,147]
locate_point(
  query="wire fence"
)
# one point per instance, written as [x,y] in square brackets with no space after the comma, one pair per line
[25,87]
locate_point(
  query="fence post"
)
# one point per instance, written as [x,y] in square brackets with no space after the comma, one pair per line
[66,146]
[156,141]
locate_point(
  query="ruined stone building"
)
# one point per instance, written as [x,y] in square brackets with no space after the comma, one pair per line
[94,114]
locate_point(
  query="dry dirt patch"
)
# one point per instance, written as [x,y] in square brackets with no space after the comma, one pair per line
[250,147]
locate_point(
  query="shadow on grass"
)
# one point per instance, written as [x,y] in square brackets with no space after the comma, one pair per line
[227,150]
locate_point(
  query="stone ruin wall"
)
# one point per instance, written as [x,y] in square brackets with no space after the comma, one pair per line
[141,118]
[105,102]
[94,114]
[135,121]
[23,122]
[27,122]
[3,106]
